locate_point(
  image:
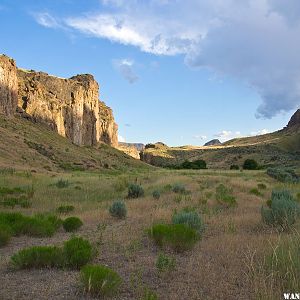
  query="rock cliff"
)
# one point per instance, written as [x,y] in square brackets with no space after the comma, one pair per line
[214,142]
[295,120]
[71,107]
[8,86]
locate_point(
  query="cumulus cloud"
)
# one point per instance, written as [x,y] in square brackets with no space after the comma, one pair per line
[121,139]
[256,41]
[125,67]
[260,132]
[225,135]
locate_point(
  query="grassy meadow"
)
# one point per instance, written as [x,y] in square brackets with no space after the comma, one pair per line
[236,257]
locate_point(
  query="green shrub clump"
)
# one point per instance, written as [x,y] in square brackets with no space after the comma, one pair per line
[284,175]
[156,194]
[250,164]
[135,191]
[234,167]
[39,225]
[255,192]
[261,186]
[64,209]
[100,281]
[190,218]
[196,164]
[283,209]
[72,224]
[5,235]
[224,196]
[118,209]
[38,257]
[61,183]
[165,263]
[77,252]
[177,236]
[179,189]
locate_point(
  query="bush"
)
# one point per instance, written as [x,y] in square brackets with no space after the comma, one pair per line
[250,164]
[156,194]
[5,235]
[196,164]
[77,252]
[118,209]
[283,210]
[234,167]
[224,196]
[165,263]
[149,295]
[61,183]
[38,257]
[261,186]
[135,191]
[99,280]
[72,224]
[179,189]
[255,192]
[38,225]
[64,209]
[190,219]
[177,236]
[283,175]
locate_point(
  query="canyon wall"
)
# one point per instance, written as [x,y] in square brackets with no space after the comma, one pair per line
[8,86]
[71,107]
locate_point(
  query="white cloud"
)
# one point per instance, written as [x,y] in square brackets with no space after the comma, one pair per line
[256,41]
[225,135]
[200,137]
[125,67]
[121,139]
[260,132]
[46,20]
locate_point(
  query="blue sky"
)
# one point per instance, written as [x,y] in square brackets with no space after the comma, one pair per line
[180,72]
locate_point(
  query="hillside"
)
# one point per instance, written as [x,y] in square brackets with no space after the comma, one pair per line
[27,145]
[279,148]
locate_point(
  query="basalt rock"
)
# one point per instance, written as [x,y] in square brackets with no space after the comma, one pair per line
[8,86]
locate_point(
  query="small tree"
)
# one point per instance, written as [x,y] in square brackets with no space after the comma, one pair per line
[250,164]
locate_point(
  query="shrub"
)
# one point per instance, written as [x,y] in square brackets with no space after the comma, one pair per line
[177,236]
[165,263]
[255,192]
[149,295]
[118,209]
[283,210]
[283,175]
[64,209]
[72,224]
[5,235]
[224,196]
[250,164]
[156,194]
[189,218]
[38,257]
[99,280]
[234,167]
[179,189]
[197,164]
[77,252]
[61,184]
[261,186]
[135,191]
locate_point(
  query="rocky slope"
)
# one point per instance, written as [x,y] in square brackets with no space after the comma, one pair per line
[131,149]
[71,107]
[214,142]
[280,148]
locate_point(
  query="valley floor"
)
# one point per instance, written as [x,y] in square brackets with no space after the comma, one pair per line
[227,263]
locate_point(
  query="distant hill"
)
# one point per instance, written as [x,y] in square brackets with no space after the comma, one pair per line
[280,148]
[132,149]
[214,142]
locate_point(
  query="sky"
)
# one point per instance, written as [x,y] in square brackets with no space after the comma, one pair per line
[181,72]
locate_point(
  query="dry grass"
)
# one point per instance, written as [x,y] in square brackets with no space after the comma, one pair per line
[226,264]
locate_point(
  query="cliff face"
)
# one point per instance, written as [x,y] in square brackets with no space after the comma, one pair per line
[295,120]
[71,107]
[8,86]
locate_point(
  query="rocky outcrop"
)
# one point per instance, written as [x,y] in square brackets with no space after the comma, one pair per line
[214,142]
[71,107]
[295,120]
[8,86]
[132,149]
